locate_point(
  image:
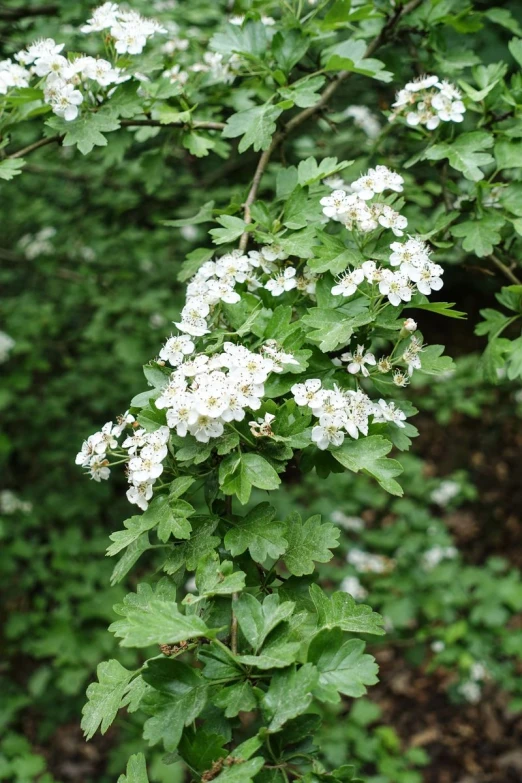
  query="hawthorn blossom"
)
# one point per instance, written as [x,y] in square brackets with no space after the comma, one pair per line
[176,348]
[348,282]
[396,287]
[284,281]
[328,431]
[388,412]
[358,360]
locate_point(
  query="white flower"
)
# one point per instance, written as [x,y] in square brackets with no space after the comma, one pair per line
[262,427]
[371,271]
[348,282]
[335,205]
[352,585]
[421,83]
[140,494]
[388,411]
[396,287]
[306,393]
[182,413]
[98,468]
[143,469]
[6,345]
[328,431]
[53,64]
[409,325]
[334,183]
[357,360]
[41,48]
[284,281]
[445,492]
[389,218]
[365,562]
[205,428]
[64,100]
[428,278]
[273,253]
[348,523]
[12,75]
[103,16]
[434,556]
[176,348]
[364,119]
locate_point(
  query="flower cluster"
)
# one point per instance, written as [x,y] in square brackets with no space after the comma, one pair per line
[428,101]
[364,119]
[129,30]
[415,271]
[146,450]
[205,393]
[93,453]
[11,503]
[434,556]
[341,412]
[368,563]
[12,75]
[356,210]
[62,77]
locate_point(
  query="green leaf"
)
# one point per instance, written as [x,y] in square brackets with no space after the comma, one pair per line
[200,748]
[303,93]
[134,527]
[278,655]
[249,38]
[193,261]
[288,48]
[369,455]
[242,772]
[433,363]
[233,228]
[349,56]
[238,473]
[289,694]
[203,215]
[441,308]
[308,542]
[136,770]
[515,47]
[172,519]
[508,154]
[259,532]
[190,552]
[150,619]
[129,558]
[198,144]
[235,699]
[465,153]
[341,611]
[299,243]
[514,365]
[180,694]
[87,131]
[343,667]
[256,620]
[105,697]
[256,126]
[10,168]
[309,171]
[215,578]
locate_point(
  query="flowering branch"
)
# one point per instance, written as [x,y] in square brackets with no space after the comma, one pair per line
[304,115]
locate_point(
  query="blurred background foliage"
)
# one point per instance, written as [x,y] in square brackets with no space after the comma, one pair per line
[88,276]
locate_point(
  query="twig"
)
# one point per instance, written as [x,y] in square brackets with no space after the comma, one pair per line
[36,145]
[198,125]
[304,115]
[505,270]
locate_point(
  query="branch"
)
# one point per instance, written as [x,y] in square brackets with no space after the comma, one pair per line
[15,14]
[35,146]
[505,270]
[198,125]
[304,115]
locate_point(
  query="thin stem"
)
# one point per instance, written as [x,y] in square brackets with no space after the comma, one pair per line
[505,270]
[198,125]
[36,145]
[304,115]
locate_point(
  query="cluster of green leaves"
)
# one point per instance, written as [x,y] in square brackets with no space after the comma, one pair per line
[452,613]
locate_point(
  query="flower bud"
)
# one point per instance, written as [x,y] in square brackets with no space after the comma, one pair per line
[408,327]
